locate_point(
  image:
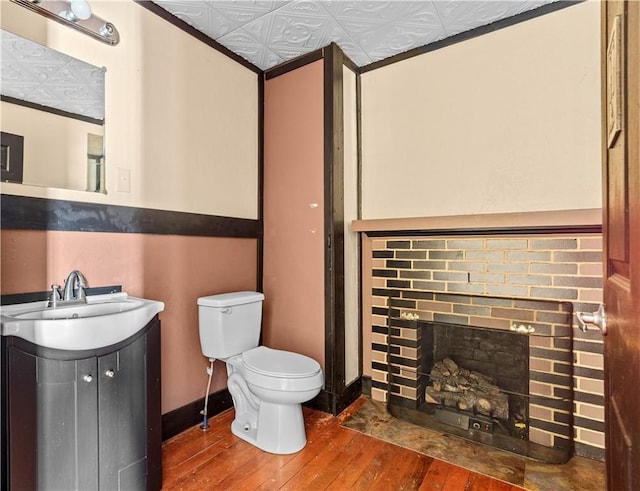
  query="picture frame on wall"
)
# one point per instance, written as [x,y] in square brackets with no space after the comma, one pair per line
[11,157]
[614,83]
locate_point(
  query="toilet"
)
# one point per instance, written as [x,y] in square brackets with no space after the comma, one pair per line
[267,385]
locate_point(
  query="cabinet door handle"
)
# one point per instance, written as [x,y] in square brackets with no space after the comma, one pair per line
[110,373]
[87,378]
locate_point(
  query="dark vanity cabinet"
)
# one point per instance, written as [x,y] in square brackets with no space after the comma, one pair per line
[83,420]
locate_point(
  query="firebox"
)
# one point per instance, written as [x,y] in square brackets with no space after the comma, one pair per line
[507,387]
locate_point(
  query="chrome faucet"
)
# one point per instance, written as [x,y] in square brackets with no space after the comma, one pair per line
[74,287]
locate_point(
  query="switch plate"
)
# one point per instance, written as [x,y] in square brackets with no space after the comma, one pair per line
[124,180]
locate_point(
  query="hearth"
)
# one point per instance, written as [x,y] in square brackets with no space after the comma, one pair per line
[508,387]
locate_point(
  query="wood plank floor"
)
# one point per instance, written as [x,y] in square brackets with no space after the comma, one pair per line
[335,458]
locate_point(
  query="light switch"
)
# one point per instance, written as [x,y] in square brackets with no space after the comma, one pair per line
[124,180]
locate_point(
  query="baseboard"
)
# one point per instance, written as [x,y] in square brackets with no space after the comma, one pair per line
[590,452]
[322,402]
[332,403]
[348,395]
[185,417]
[366,385]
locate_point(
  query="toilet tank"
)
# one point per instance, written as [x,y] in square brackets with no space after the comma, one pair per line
[229,323]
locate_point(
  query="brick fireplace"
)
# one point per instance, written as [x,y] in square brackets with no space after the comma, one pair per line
[532,385]
[495,283]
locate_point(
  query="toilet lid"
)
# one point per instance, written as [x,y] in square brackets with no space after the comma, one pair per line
[277,363]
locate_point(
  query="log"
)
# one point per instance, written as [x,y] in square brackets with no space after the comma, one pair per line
[466,390]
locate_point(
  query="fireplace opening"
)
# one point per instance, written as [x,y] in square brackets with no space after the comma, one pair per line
[487,382]
[510,388]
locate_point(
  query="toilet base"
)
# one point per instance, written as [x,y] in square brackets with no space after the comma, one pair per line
[279,430]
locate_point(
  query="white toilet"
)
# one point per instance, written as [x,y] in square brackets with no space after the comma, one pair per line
[267,385]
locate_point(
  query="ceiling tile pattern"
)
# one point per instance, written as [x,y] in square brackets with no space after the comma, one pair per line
[41,75]
[270,32]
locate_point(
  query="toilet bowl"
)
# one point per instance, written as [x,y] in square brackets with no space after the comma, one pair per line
[267,385]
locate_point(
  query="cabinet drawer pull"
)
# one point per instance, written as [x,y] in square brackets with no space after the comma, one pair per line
[87,378]
[110,373]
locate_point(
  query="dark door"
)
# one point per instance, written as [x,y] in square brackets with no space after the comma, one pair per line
[53,434]
[621,205]
[122,416]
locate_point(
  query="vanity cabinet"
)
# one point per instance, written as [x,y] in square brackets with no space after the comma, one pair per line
[82,420]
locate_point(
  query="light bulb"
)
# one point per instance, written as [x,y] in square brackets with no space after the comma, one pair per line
[81,9]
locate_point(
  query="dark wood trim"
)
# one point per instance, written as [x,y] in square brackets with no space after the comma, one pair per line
[333,403]
[366,385]
[324,401]
[359,215]
[329,334]
[346,61]
[473,33]
[27,213]
[260,250]
[337,228]
[180,24]
[51,110]
[569,229]
[306,59]
[333,218]
[349,394]
[294,64]
[359,137]
[189,415]
[590,452]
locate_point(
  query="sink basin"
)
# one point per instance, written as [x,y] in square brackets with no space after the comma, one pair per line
[103,321]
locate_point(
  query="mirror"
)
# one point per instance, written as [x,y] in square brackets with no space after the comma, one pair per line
[52,117]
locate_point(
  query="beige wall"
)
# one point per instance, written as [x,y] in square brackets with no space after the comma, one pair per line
[181,117]
[505,122]
[173,269]
[55,150]
[351,238]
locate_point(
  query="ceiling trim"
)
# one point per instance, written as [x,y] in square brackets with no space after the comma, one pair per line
[180,24]
[51,110]
[472,33]
[294,63]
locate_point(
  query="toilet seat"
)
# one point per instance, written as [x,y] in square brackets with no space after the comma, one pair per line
[281,370]
[279,363]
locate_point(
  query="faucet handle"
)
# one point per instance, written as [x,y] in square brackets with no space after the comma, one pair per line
[55,296]
[55,292]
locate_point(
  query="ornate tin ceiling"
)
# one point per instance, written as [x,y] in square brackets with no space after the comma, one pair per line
[37,74]
[269,32]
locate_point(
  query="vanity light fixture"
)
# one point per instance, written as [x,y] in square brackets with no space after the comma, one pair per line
[78,10]
[76,14]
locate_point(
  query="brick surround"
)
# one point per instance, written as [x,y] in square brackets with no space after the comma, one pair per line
[458,280]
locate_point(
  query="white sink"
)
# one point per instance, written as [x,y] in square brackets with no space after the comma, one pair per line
[103,321]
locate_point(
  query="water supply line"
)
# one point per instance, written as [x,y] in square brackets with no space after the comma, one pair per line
[205,423]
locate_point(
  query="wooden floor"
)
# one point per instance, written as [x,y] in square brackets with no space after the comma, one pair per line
[335,458]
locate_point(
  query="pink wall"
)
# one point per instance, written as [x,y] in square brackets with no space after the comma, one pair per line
[294,212]
[173,269]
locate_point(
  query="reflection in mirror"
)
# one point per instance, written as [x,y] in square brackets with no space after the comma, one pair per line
[56,104]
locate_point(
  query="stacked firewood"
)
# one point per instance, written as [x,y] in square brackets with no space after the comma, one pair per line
[467,390]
